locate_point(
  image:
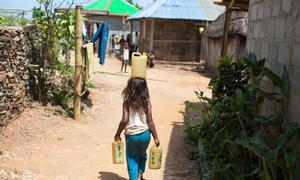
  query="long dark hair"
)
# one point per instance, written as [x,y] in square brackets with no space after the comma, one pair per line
[136,94]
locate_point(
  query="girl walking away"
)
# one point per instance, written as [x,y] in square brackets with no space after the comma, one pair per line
[138,124]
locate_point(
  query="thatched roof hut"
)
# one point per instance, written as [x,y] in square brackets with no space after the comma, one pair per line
[238,25]
[212,38]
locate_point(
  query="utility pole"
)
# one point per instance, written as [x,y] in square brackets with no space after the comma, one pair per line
[78,64]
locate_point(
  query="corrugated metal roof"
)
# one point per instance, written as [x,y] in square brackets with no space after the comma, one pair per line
[181,9]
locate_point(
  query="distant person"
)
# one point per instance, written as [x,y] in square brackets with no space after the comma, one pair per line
[117,45]
[151,59]
[128,39]
[125,60]
[113,44]
[136,42]
[138,124]
[122,43]
[130,45]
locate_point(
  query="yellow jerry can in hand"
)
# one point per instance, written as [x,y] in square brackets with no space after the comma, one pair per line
[155,157]
[118,152]
[138,65]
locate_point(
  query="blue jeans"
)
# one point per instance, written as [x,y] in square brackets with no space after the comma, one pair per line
[136,156]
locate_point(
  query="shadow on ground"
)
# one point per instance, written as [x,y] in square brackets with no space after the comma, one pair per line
[109,176]
[88,102]
[177,164]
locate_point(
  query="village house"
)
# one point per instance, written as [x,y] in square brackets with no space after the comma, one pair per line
[171,28]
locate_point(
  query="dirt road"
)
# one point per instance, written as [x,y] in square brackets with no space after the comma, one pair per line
[82,150]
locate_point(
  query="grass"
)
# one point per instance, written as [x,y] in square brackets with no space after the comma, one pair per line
[13,21]
[90,85]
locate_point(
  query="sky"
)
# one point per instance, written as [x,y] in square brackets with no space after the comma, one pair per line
[29,4]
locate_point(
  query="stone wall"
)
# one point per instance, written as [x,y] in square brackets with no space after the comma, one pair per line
[274,34]
[13,73]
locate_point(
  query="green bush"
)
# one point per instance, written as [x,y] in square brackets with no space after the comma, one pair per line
[239,141]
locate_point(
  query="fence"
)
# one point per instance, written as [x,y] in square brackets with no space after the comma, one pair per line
[22,13]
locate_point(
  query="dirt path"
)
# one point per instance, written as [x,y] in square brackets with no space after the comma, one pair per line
[82,150]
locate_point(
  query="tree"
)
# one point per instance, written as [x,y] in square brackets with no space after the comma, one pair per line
[135,5]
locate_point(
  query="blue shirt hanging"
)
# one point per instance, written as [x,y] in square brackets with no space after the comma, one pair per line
[102,35]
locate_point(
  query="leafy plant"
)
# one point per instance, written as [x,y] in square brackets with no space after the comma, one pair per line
[240,140]
[90,85]
[231,75]
[66,33]
[53,34]
[60,96]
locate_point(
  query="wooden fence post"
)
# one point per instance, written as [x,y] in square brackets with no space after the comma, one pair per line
[78,64]
[226,27]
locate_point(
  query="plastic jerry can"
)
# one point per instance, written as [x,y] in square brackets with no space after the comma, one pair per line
[138,65]
[118,152]
[155,157]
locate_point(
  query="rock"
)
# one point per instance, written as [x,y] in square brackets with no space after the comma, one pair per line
[11,86]
[2,112]
[12,80]
[13,72]
[3,63]
[2,45]
[13,47]
[18,93]
[2,76]
[13,33]
[10,74]
[17,39]
[4,39]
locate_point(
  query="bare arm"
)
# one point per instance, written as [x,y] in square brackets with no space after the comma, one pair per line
[123,122]
[151,124]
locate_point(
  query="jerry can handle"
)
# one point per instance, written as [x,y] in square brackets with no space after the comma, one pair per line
[154,145]
[136,54]
[118,139]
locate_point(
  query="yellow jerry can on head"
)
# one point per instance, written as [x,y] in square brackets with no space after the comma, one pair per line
[138,65]
[118,152]
[155,157]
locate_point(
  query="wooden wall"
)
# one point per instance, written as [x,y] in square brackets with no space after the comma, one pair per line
[211,49]
[174,40]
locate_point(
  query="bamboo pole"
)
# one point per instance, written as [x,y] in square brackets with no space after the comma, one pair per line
[78,64]
[226,27]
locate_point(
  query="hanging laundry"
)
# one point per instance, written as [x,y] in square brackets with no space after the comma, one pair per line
[90,59]
[102,35]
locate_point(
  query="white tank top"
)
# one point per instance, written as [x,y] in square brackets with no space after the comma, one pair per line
[137,122]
